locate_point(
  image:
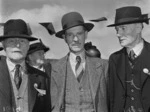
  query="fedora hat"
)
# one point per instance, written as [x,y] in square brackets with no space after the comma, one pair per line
[73,19]
[16,28]
[128,15]
[36,47]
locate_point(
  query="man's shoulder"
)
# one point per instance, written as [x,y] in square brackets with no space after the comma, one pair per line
[118,53]
[60,62]
[98,61]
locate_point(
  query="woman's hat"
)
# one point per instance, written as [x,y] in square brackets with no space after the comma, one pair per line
[16,28]
[73,19]
[37,46]
[128,15]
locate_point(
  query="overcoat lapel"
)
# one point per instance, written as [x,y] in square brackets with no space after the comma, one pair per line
[123,67]
[5,82]
[94,75]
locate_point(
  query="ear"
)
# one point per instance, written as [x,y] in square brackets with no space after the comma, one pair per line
[139,27]
[86,34]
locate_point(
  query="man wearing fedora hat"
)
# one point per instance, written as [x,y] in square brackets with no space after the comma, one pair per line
[22,87]
[78,82]
[129,79]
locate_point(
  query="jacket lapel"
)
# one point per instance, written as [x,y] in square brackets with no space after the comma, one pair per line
[59,72]
[95,71]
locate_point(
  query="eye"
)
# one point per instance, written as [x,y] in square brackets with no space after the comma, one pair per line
[69,34]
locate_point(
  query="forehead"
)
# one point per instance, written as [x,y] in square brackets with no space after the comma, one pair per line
[125,25]
[75,29]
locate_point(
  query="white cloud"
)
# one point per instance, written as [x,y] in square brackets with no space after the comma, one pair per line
[103,37]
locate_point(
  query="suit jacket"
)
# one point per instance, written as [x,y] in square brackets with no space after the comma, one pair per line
[36,103]
[117,76]
[97,69]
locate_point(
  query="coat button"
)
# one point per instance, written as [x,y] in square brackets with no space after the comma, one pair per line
[132,98]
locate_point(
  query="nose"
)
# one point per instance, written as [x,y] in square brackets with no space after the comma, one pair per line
[119,32]
[17,43]
[75,38]
[118,35]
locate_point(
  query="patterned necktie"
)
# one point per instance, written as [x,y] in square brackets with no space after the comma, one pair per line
[132,56]
[79,68]
[17,76]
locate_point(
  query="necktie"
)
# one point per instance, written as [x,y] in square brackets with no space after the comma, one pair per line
[79,68]
[131,56]
[17,76]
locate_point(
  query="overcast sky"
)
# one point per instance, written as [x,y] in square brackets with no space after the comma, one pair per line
[34,11]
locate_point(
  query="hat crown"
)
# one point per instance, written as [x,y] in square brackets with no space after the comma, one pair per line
[15,27]
[129,15]
[127,12]
[72,19]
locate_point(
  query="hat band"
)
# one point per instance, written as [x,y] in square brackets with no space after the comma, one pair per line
[72,24]
[123,20]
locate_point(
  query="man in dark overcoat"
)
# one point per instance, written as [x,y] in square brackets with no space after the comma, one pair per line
[129,80]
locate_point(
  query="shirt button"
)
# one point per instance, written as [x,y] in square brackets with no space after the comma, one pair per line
[132,98]
[132,90]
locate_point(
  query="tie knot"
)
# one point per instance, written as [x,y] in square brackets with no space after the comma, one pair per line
[18,66]
[78,59]
[132,55]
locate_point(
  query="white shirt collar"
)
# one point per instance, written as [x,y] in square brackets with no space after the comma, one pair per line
[72,57]
[138,48]
[11,65]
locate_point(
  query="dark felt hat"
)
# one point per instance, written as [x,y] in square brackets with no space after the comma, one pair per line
[128,15]
[37,46]
[16,28]
[73,19]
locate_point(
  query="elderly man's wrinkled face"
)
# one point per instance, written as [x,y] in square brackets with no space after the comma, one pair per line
[128,34]
[75,38]
[37,58]
[16,48]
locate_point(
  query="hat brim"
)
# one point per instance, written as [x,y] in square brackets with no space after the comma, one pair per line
[88,26]
[129,22]
[30,38]
[37,49]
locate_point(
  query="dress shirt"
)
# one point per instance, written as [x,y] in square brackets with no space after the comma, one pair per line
[73,62]
[11,67]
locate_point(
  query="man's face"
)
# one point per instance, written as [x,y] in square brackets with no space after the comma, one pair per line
[37,57]
[75,38]
[16,48]
[127,34]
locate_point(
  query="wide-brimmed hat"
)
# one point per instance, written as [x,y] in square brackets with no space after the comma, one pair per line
[16,28]
[73,19]
[37,46]
[128,15]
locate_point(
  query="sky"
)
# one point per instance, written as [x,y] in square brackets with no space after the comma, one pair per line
[35,11]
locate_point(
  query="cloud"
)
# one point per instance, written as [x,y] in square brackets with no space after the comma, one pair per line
[103,37]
